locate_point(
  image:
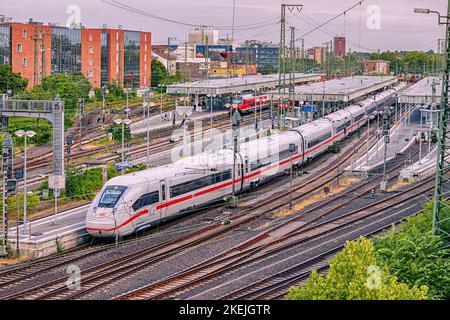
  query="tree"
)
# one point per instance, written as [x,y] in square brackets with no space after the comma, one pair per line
[69,87]
[116,131]
[354,275]
[10,80]
[415,256]
[159,72]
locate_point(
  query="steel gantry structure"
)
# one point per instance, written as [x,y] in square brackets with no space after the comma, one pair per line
[441,204]
[443,163]
[283,56]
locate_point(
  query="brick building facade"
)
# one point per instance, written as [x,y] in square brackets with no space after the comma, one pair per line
[102,55]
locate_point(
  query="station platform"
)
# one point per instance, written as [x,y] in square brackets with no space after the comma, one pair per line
[421,169]
[402,137]
[165,120]
[46,236]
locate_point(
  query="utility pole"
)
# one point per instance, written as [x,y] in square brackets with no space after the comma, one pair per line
[80,115]
[206,57]
[386,129]
[236,125]
[292,72]
[303,56]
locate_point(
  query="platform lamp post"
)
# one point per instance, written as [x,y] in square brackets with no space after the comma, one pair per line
[25,135]
[123,122]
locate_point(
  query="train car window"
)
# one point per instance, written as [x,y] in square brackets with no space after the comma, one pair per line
[315,142]
[199,183]
[343,126]
[261,163]
[359,117]
[146,200]
[287,153]
[111,196]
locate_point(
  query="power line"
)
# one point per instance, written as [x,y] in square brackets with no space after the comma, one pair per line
[329,20]
[123,6]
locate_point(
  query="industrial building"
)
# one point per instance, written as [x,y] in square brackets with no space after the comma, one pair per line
[103,55]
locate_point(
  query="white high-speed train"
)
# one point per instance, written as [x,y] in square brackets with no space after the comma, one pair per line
[132,202]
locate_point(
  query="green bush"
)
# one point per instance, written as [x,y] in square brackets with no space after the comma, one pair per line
[83,185]
[42,127]
[416,256]
[350,278]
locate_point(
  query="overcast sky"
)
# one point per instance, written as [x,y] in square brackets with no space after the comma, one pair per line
[399,28]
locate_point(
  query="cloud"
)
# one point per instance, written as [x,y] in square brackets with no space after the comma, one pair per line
[400,27]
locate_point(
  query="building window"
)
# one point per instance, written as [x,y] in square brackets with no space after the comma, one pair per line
[145,47]
[91,49]
[117,58]
[24,62]
[90,62]
[19,47]
[66,50]
[91,74]
[131,56]
[90,37]
[145,38]
[145,58]
[117,38]
[24,34]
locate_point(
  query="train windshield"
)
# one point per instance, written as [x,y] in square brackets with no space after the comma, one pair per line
[238,101]
[111,196]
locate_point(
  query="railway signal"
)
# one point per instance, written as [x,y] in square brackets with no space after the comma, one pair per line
[9,184]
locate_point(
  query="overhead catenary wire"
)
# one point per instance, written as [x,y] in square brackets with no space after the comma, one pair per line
[329,20]
[123,6]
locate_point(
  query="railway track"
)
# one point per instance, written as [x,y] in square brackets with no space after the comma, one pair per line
[165,250]
[252,253]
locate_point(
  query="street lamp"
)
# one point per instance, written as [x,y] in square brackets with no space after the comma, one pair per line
[123,122]
[25,135]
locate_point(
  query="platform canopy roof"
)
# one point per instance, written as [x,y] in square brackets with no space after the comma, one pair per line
[237,85]
[422,92]
[344,89]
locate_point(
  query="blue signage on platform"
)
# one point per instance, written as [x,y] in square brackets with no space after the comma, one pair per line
[308,108]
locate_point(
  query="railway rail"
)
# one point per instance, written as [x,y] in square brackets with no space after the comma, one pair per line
[242,256]
[178,245]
